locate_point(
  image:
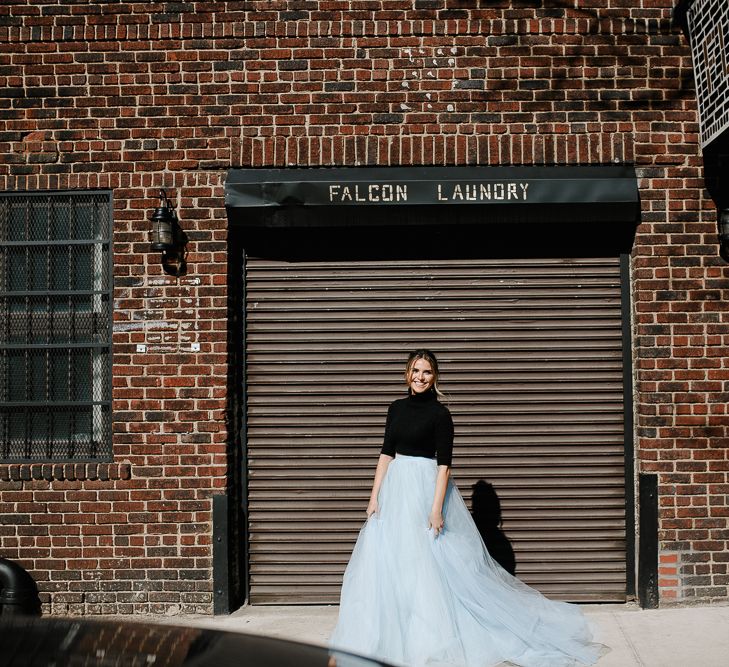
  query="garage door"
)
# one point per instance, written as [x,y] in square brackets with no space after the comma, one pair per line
[532,365]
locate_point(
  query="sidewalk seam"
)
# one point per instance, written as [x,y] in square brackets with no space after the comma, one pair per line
[628,641]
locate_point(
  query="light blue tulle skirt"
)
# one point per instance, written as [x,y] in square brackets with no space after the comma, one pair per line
[410,598]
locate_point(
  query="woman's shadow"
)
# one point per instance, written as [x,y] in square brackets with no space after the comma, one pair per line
[486,512]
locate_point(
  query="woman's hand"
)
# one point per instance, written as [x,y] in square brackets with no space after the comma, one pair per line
[372,508]
[382,464]
[435,522]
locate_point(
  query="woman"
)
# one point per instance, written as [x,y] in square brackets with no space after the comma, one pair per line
[420,588]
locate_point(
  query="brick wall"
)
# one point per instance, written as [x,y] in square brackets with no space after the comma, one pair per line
[134,96]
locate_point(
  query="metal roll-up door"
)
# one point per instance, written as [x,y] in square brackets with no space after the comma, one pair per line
[532,362]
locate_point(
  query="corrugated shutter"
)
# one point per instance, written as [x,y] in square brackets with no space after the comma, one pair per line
[531,357]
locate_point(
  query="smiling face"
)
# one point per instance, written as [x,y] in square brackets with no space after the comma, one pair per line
[421,376]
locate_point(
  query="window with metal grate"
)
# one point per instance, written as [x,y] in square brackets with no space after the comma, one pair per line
[55,326]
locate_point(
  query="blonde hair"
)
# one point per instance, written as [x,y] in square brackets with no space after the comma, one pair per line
[428,356]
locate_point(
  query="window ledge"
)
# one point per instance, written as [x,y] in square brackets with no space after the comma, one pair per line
[25,472]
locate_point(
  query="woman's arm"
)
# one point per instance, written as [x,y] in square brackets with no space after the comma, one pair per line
[436,512]
[382,464]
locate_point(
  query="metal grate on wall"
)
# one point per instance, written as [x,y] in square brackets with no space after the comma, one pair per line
[55,326]
[708,22]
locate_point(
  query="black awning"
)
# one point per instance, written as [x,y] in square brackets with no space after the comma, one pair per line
[611,192]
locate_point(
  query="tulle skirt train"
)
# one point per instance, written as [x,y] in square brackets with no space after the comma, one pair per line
[410,598]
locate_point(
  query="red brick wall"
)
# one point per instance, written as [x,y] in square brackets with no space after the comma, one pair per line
[133,96]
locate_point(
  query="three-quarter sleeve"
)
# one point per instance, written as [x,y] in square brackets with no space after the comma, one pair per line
[444,438]
[388,442]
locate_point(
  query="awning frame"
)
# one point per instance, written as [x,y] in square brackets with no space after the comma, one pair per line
[611,189]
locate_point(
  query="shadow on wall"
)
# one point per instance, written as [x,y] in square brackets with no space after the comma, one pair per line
[486,514]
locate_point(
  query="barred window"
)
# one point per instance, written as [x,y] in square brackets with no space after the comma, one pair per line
[55,326]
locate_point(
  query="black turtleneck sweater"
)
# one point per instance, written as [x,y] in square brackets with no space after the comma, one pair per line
[419,425]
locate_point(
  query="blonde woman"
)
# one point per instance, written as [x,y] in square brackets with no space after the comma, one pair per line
[420,588]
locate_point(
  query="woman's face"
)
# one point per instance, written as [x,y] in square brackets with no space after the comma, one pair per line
[421,376]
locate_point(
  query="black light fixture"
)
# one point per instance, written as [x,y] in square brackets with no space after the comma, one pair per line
[723,225]
[163,221]
[167,237]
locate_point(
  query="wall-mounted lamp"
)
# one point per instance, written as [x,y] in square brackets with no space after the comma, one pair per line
[167,237]
[723,225]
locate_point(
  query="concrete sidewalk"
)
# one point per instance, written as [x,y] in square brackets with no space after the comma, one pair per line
[671,637]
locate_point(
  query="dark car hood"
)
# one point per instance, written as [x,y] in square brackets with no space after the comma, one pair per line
[62,642]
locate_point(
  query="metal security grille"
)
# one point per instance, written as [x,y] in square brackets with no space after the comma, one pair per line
[708,22]
[532,360]
[55,326]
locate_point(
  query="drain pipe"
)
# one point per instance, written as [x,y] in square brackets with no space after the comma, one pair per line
[18,591]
